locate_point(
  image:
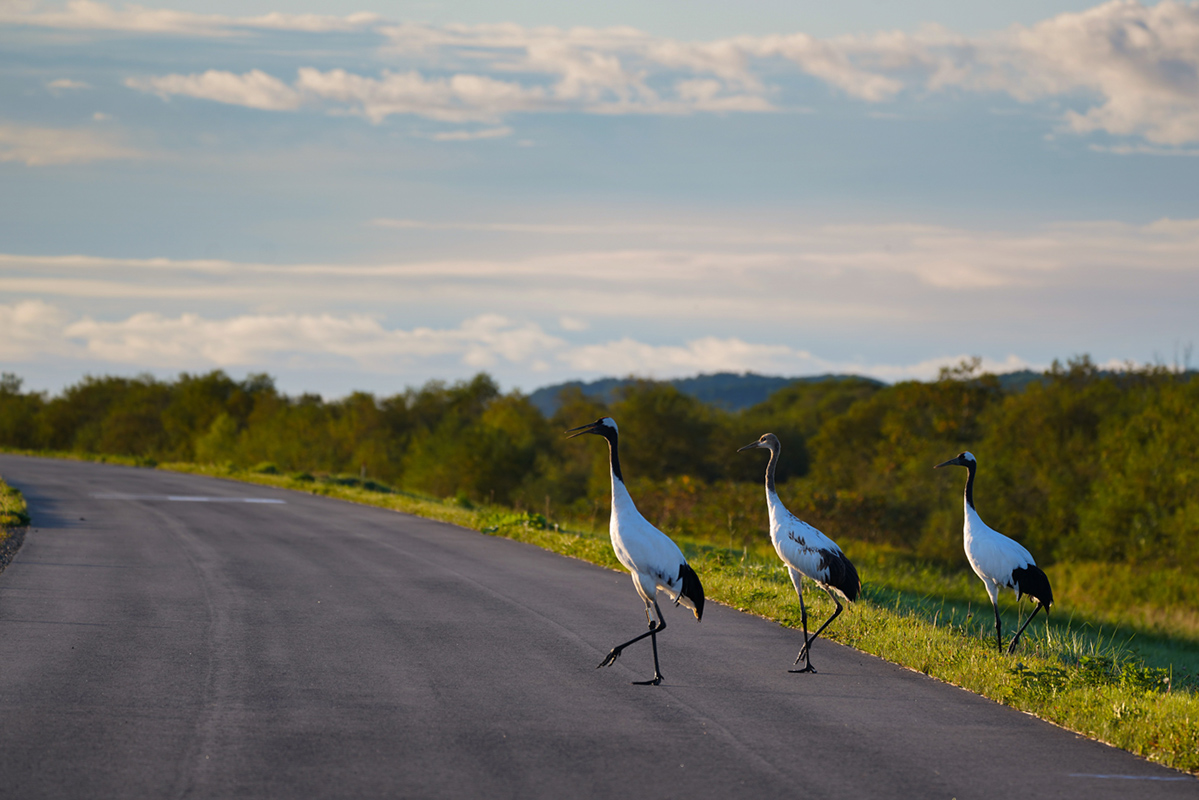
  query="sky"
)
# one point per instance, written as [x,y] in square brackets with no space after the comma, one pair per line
[372,195]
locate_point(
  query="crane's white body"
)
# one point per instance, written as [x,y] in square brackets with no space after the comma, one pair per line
[992,556]
[654,561]
[807,553]
[997,560]
[803,548]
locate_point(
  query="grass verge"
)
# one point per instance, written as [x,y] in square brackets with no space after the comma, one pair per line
[14,518]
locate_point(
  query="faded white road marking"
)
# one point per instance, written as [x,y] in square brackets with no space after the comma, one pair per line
[185,498]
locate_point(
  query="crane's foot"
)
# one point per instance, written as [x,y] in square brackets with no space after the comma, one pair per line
[1011,648]
[808,668]
[610,659]
[657,679]
[803,654]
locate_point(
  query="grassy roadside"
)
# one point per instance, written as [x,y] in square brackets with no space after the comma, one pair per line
[13,511]
[1076,673]
[14,517]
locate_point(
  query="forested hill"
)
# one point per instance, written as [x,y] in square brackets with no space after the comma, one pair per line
[728,390]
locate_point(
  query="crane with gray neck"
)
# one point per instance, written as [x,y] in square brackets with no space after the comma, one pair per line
[807,552]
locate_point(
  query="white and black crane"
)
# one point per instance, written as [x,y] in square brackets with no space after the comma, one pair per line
[654,561]
[997,560]
[807,553]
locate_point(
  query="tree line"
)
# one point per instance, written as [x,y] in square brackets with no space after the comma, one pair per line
[1084,464]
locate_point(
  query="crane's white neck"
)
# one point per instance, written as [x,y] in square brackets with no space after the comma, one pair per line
[622,501]
[774,505]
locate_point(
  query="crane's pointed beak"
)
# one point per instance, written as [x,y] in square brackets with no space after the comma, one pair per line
[579,431]
[751,446]
[953,462]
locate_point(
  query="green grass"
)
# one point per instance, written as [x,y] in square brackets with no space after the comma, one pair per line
[14,515]
[1126,684]
[13,511]
[937,592]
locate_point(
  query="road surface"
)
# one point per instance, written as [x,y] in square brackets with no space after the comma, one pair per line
[166,635]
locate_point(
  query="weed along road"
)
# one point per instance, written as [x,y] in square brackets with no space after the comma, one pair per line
[164,635]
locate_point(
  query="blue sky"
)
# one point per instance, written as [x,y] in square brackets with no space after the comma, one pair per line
[368,196]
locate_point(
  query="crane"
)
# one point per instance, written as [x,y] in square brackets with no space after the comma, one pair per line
[807,553]
[654,561]
[997,560]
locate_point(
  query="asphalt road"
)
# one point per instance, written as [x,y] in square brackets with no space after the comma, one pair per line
[157,644]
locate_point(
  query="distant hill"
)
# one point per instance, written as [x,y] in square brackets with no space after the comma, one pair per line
[726,390]
[730,390]
[1019,381]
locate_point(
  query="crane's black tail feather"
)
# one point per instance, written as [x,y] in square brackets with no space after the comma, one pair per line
[843,575]
[692,589]
[1033,582]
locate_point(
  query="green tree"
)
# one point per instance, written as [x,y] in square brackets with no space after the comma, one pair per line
[20,414]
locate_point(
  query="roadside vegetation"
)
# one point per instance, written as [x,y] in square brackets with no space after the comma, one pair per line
[1093,471]
[14,517]
[13,512]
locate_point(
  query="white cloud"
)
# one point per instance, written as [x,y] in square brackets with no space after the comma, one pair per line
[40,147]
[152,339]
[831,61]
[31,328]
[459,98]
[712,354]
[66,84]
[799,300]
[469,136]
[1121,68]
[90,15]
[1141,62]
[702,94]
[34,329]
[1144,150]
[723,268]
[928,369]
[254,89]
[709,354]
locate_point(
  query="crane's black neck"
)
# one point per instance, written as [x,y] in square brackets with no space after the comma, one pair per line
[770,467]
[613,453]
[970,484]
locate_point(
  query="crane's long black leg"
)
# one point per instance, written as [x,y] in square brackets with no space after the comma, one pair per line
[998,627]
[808,645]
[615,653]
[1011,648]
[653,637]
[653,630]
[803,617]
